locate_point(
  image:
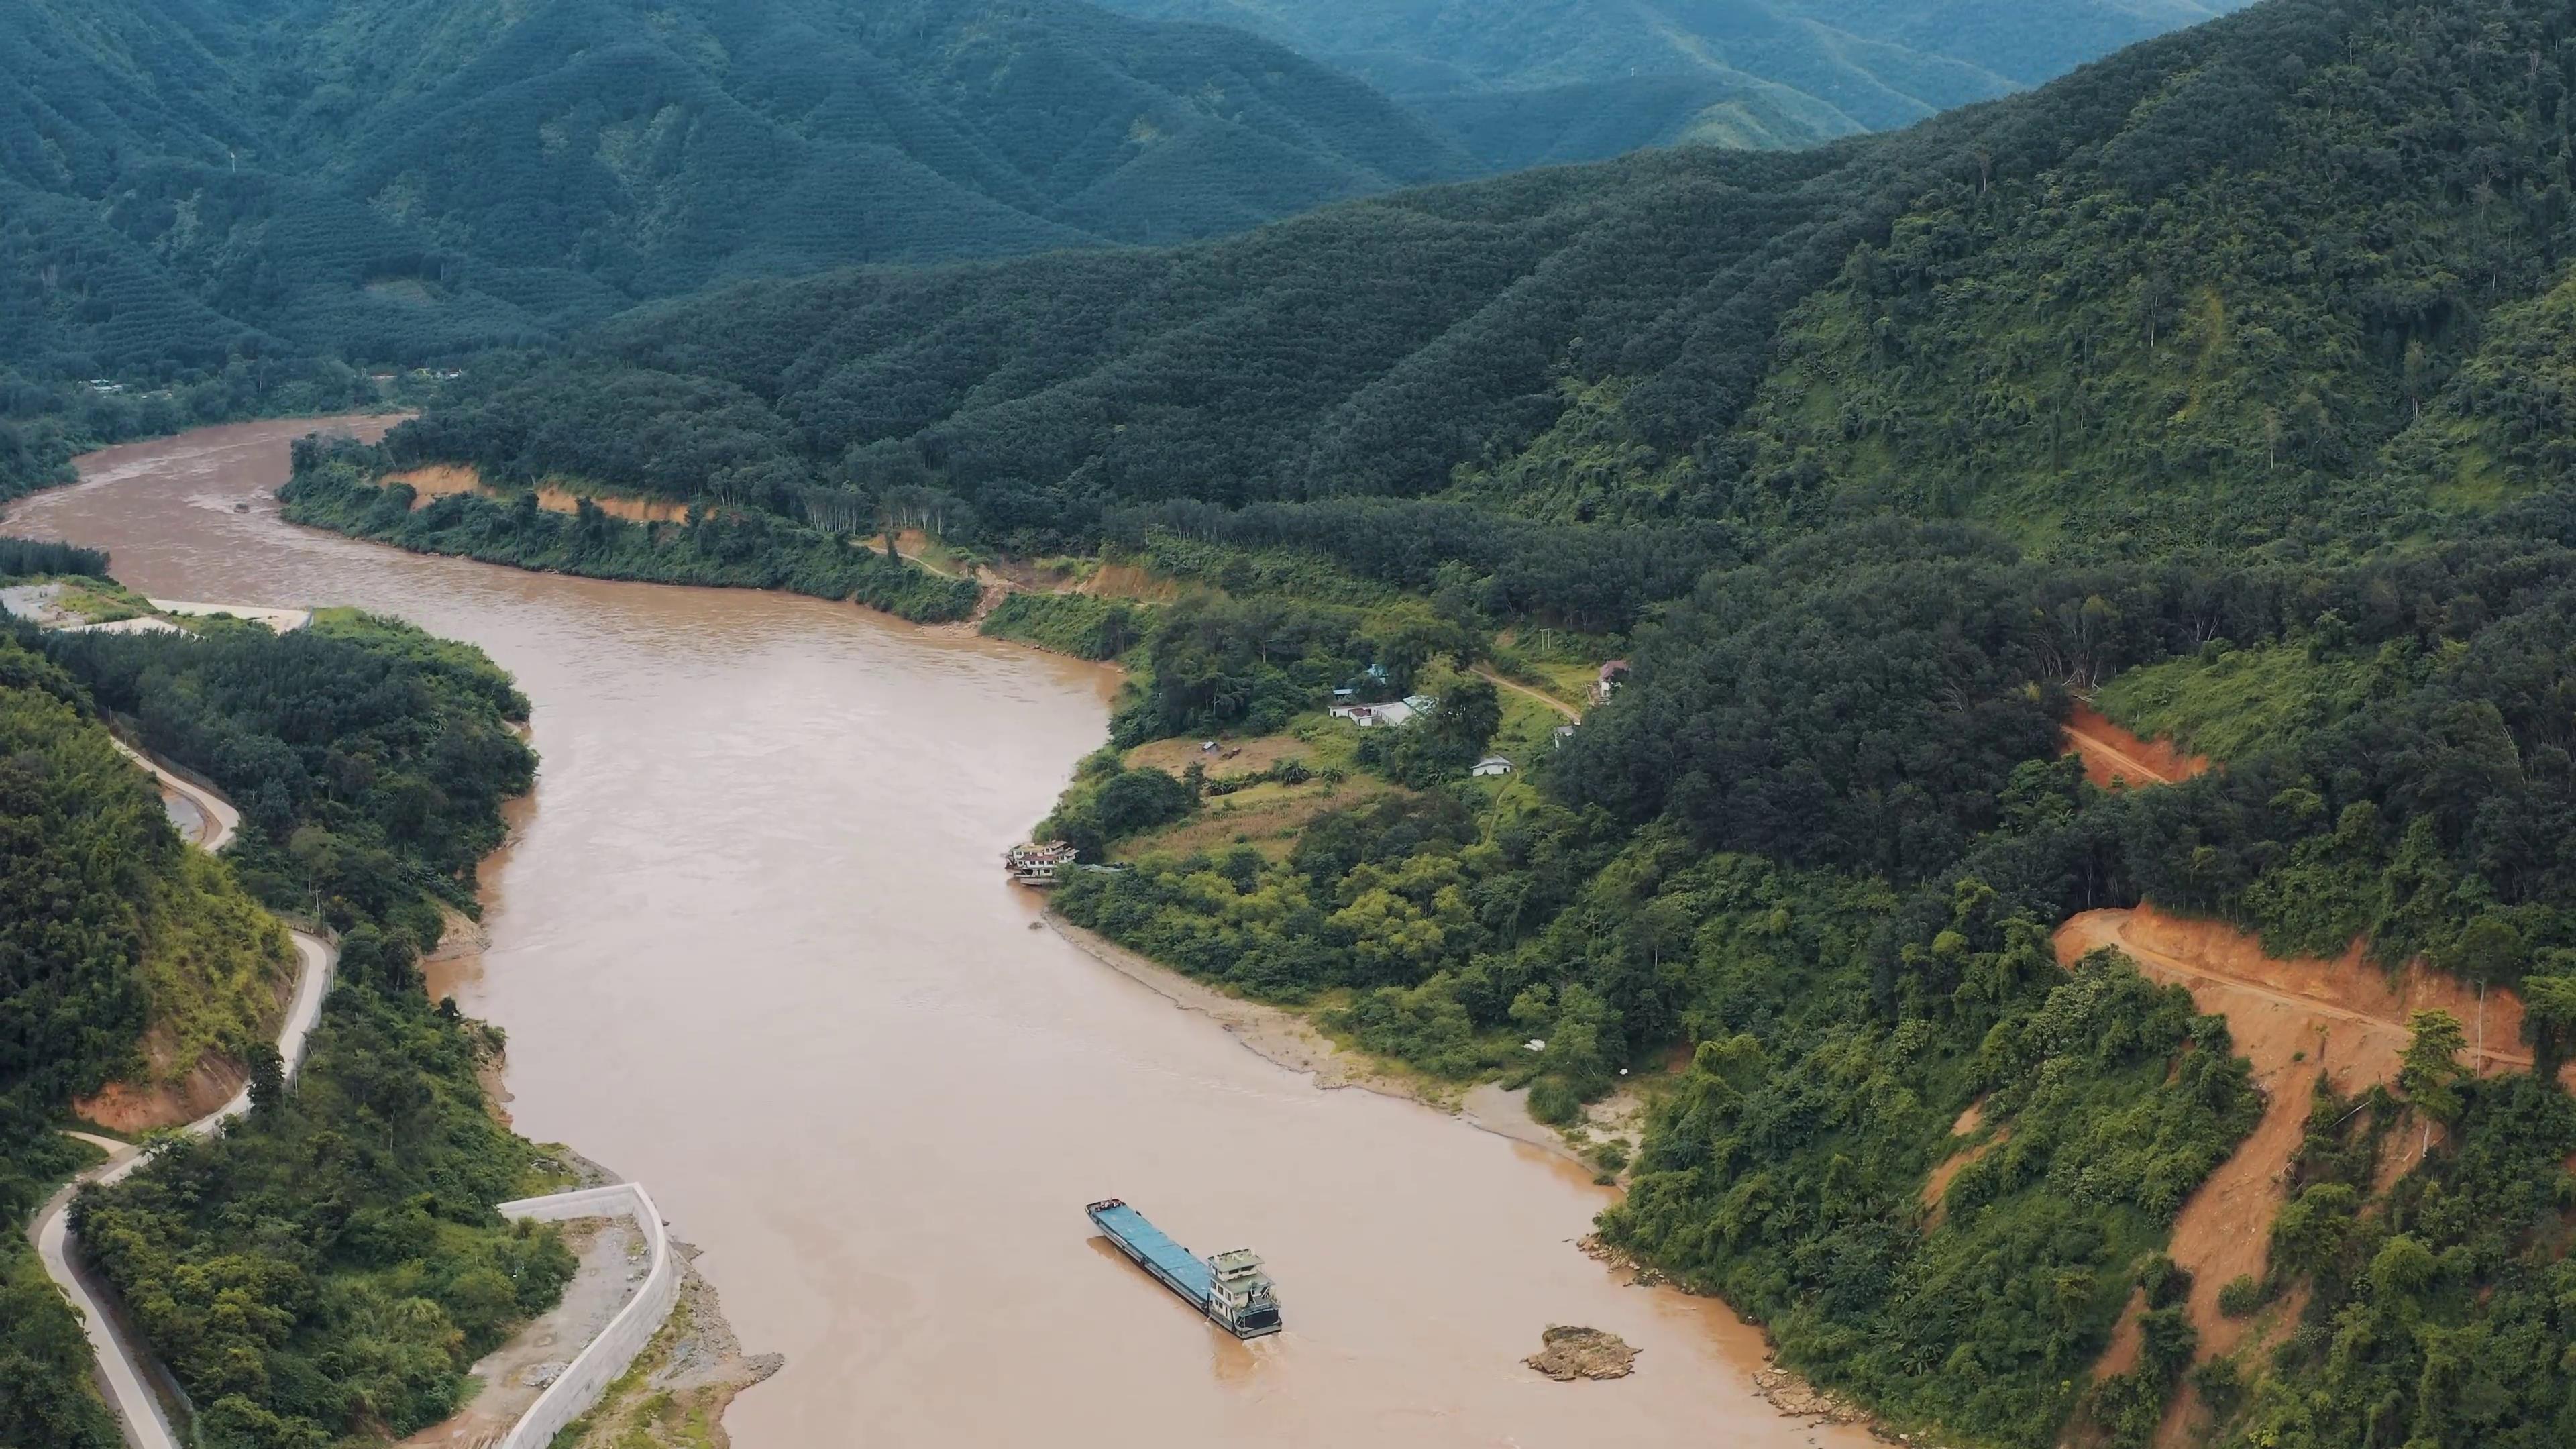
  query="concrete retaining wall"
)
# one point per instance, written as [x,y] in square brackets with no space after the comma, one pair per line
[590,1373]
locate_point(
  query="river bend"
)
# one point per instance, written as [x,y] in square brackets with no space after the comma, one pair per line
[751,946]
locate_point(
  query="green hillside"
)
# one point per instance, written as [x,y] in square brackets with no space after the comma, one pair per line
[109,928]
[2289,271]
[1571,80]
[397,181]
[301,1292]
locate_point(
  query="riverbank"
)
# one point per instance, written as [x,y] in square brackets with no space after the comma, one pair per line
[1290,1039]
[342,487]
[137,1234]
[674,1395]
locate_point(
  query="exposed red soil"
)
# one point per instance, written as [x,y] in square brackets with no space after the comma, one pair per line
[133,1107]
[438,480]
[2112,755]
[2128,1342]
[1937,1186]
[633,510]
[1130,581]
[2291,1019]
[164,1096]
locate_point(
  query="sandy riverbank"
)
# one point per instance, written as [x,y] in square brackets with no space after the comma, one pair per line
[1290,1040]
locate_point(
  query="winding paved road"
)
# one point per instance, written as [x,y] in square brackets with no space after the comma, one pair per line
[120,1364]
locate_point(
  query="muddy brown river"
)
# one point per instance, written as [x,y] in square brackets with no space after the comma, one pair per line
[752,947]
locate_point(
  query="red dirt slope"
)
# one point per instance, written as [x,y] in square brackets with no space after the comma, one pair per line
[2113,755]
[2291,1019]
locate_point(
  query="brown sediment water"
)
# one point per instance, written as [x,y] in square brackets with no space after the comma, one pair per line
[752,945]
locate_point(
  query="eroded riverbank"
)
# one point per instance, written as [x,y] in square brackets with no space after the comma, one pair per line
[750,945]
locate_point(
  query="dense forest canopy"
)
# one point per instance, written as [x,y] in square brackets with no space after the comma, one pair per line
[184,183]
[2286,275]
[216,210]
[213,210]
[210,211]
[369,760]
[188,182]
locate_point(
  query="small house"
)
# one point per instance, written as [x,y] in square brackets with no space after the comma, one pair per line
[1613,674]
[1563,733]
[1374,716]
[1037,865]
[1491,766]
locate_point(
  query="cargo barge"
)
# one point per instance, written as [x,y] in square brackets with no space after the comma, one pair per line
[1229,1288]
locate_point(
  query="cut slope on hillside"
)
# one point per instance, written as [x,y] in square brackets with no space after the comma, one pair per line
[2345,1020]
[137,967]
[2113,756]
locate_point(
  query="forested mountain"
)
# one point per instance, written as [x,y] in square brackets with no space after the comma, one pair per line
[2295,262]
[1566,80]
[182,181]
[220,209]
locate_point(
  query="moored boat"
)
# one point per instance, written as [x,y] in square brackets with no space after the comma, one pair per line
[1230,1287]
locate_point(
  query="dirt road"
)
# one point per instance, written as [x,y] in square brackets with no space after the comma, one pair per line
[2196,954]
[2291,1019]
[1551,701]
[2113,755]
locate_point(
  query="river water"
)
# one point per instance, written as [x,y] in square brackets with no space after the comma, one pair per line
[752,947]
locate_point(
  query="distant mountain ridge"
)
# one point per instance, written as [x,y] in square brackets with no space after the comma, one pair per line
[181,180]
[1587,79]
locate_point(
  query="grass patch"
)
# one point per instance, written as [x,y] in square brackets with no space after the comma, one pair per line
[1076,624]
[88,600]
[2230,702]
[1272,572]
[213,964]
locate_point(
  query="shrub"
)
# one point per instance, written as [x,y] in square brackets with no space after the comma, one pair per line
[2242,1295]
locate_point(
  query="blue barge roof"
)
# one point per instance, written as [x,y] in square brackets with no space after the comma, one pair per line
[1129,1226]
